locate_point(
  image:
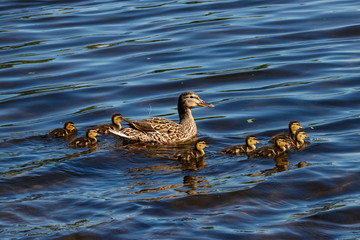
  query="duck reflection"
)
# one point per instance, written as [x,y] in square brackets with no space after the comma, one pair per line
[194,184]
[281,165]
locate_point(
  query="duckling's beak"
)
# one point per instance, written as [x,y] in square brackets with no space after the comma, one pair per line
[205,104]
[258,142]
[306,136]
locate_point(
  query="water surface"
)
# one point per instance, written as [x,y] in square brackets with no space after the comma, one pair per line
[261,63]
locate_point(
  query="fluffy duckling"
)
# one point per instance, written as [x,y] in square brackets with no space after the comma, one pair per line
[163,131]
[115,119]
[293,126]
[194,154]
[89,141]
[279,147]
[298,142]
[68,130]
[249,146]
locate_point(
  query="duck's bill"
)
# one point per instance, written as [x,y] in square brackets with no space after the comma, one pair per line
[205,104]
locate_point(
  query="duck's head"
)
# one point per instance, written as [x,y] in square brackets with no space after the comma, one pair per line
[293,126]
[200,145]
[300,135]
[281,143]
[191,99]
[69,126]
[91,133]
[251,140]
[116,118]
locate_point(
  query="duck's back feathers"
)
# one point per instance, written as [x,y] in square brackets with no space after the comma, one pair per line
[287,136]
[236,150]
[82,142]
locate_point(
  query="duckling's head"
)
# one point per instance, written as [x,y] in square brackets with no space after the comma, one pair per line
[91,133]
[200,145]
[293,126]
[281,143]
[191,99]
[300,135]
[251,140]
[69,126]
[116,118]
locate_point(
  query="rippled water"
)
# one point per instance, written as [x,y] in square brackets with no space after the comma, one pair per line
[261,63]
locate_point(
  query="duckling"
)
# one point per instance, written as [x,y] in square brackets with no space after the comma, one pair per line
[163,131]
[116,118]
[89,141]
[249,146]
[196,153]
[293,126]
[68,130]
[298,142]
[279,147]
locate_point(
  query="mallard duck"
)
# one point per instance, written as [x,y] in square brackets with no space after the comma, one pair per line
[89,141]
[293,126]
[298,142]
[115,119]
[279,147]
[194,154]
[249,146]
[163,131]
[68,130]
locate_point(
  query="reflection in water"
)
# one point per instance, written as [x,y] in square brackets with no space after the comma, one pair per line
[281,165]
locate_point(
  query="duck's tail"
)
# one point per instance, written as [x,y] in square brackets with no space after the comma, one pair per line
[118,133]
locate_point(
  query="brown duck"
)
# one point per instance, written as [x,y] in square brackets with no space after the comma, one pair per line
[279,147]
[163,131]
[115,125]
[298,142]
[67,131]
[248,147]
[196,153]
[293,126]
[89,141]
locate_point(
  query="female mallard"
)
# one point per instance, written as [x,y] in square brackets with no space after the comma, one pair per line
[194,154]
[270,151]
[249,146]
[293,126]
[104,128]
[298,142]
[89,141]
[67,131]
[164,131]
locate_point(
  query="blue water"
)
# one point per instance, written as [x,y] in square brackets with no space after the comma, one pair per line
[261,63]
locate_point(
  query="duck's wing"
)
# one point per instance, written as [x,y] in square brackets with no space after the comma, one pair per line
[234,150]
[154,125]
[266,151]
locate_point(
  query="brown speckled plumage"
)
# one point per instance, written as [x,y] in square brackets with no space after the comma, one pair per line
[163,131]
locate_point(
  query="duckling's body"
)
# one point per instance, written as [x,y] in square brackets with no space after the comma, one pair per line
[67,131]
[249,147]
[116,126]
[270,151]
[196,153]
[298,142]
[163,131]
[89,141]
[293,126]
